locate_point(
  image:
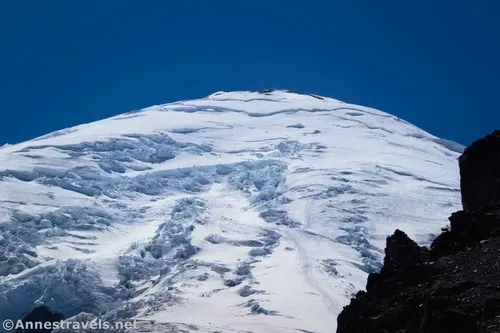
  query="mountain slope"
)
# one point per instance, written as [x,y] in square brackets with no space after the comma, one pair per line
[243,211]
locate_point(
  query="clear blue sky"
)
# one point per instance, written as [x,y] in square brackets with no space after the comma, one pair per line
[435,63]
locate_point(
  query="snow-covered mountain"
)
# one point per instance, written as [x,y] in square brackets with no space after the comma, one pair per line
[239,212]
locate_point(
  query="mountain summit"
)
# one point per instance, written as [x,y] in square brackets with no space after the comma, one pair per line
[239,212]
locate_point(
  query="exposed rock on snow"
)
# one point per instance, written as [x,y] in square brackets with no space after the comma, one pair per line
[41,314]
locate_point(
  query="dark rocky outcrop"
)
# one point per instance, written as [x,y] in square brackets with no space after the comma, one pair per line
[34,322]
[479,170]
[401,252]
[455,285]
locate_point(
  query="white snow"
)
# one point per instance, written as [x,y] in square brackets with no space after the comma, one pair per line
[238,212]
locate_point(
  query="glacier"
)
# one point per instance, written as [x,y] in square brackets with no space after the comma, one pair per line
[243,211]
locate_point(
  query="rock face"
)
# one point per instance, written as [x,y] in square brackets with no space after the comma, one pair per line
[455,285]
[479,170]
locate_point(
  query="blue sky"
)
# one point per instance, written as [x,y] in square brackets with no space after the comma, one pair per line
[433,63]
